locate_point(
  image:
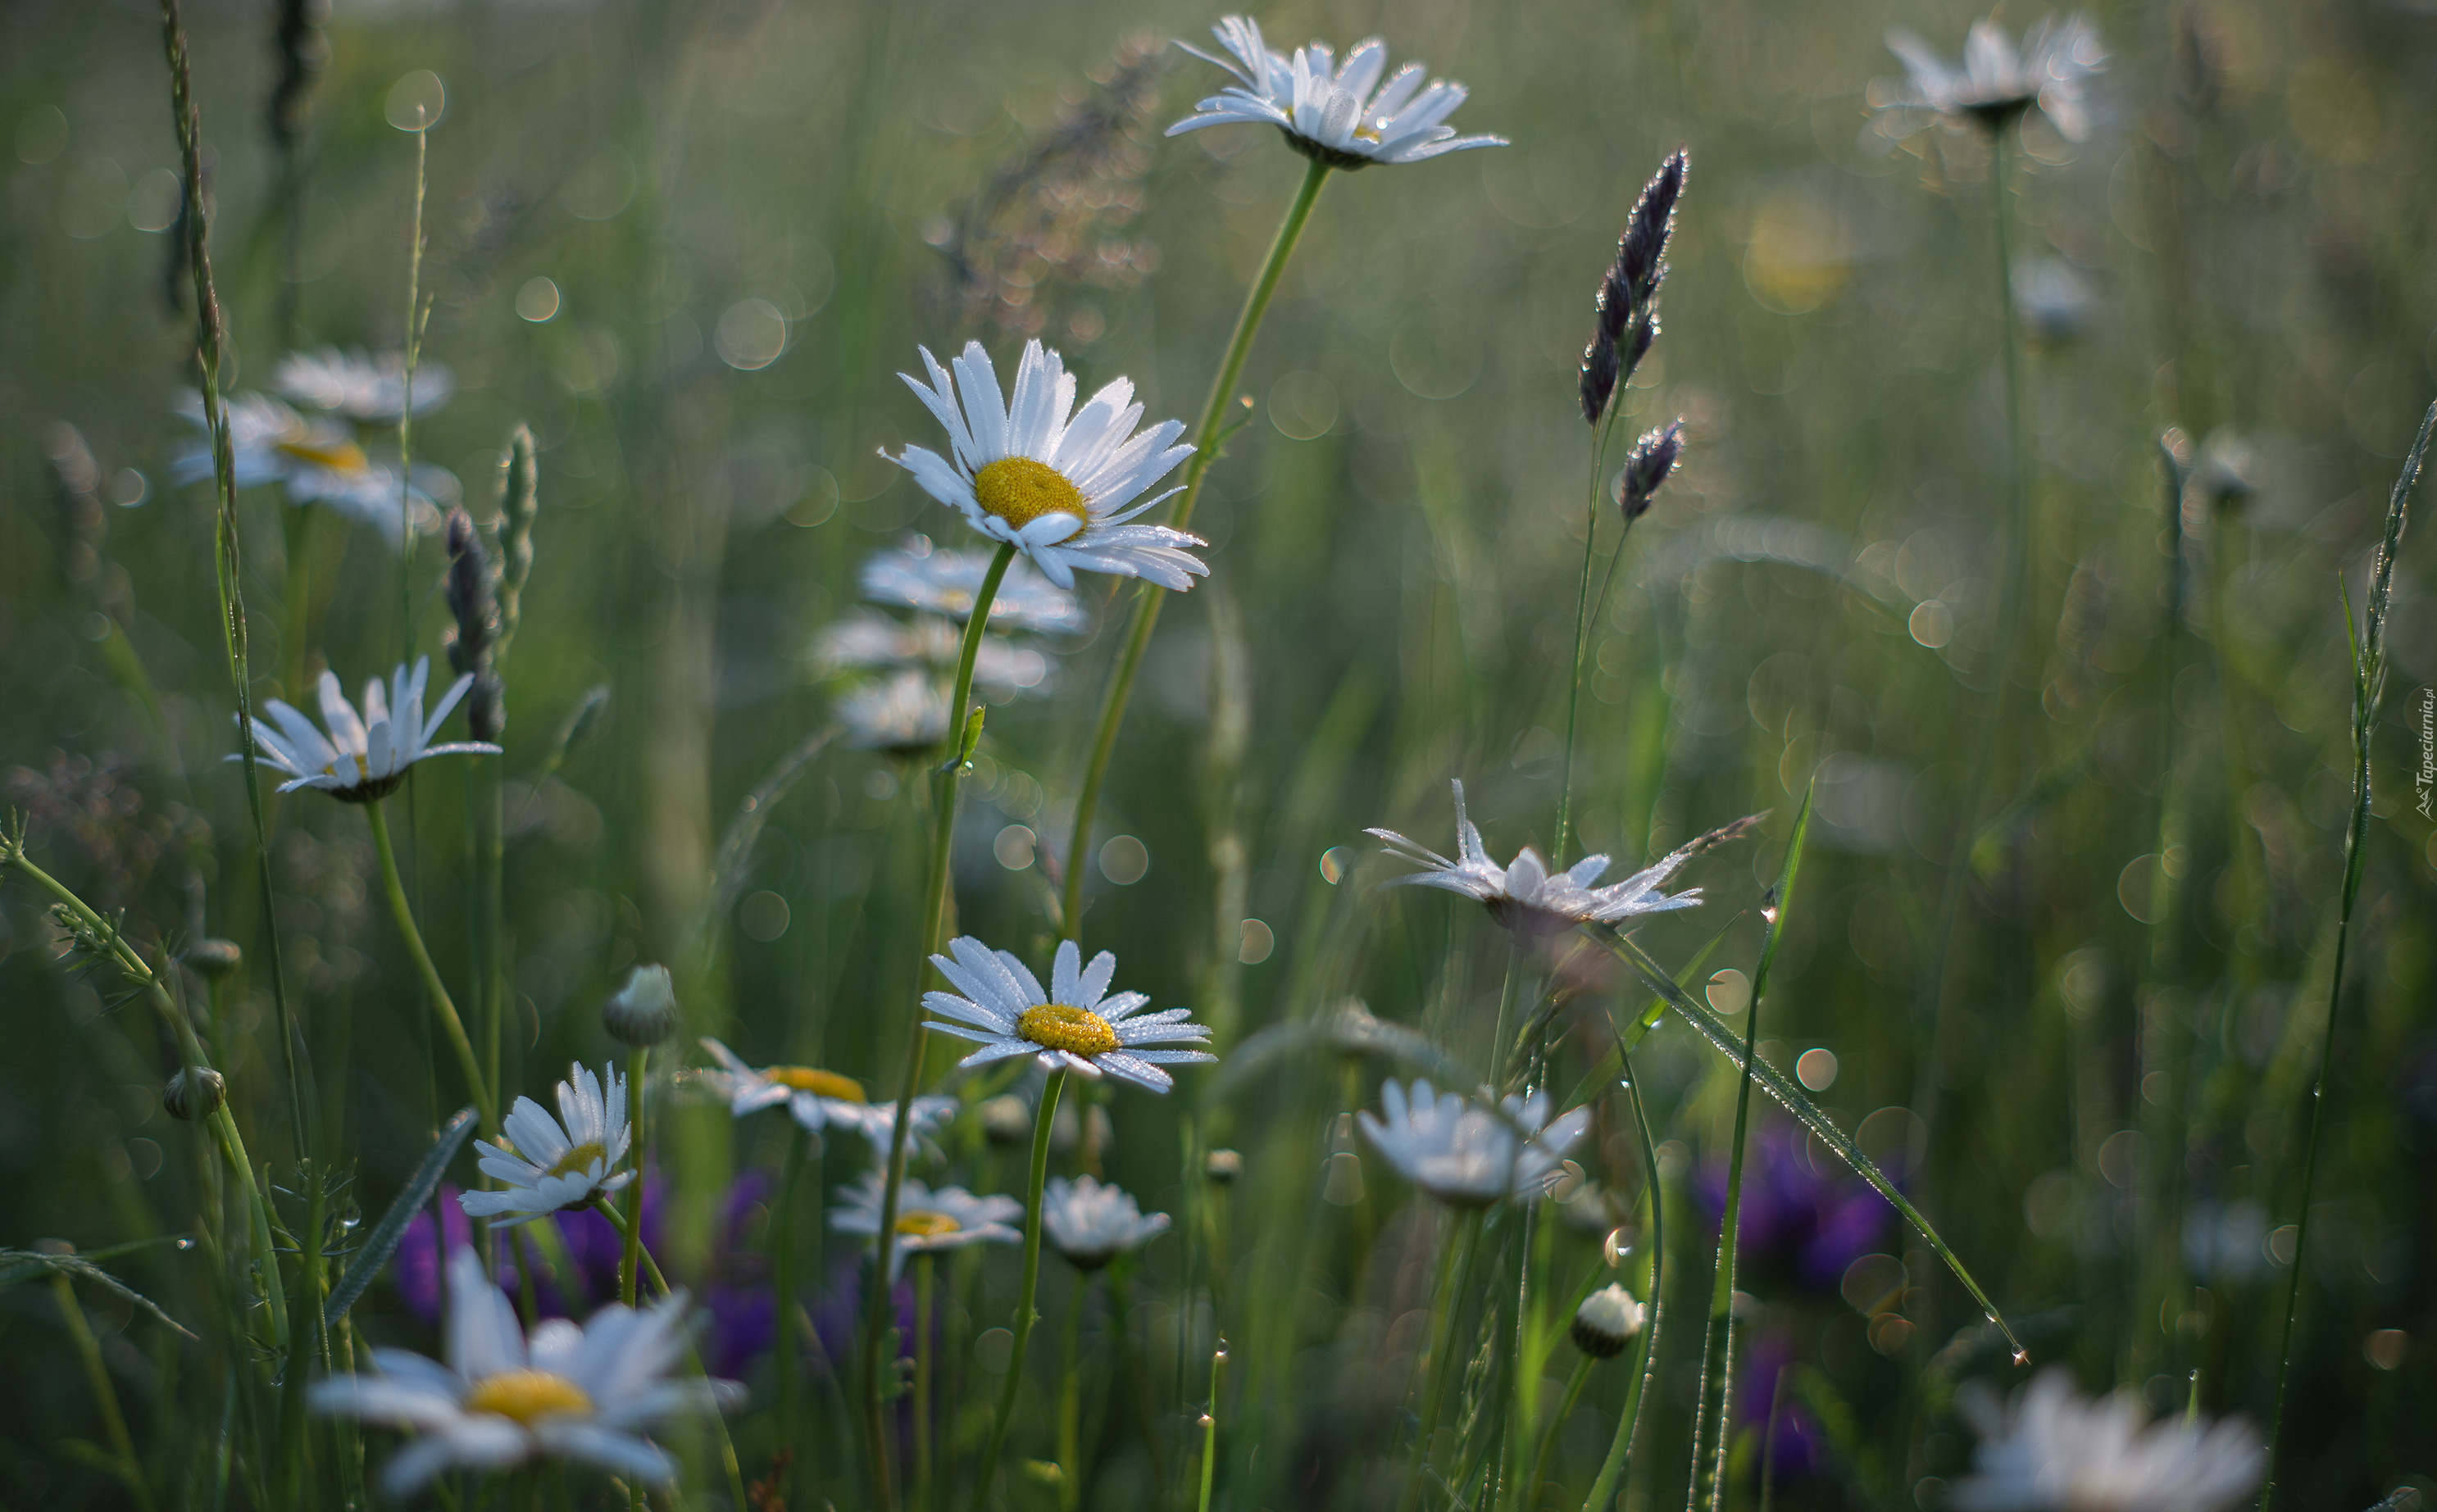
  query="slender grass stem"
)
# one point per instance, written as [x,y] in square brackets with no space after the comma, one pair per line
[1628,1422]
[1573,1393]
[1136,1384]
[113,1421]
[923,1451]
[1070,1398]
[987,1472]
[783,1279]
[638,1062]
[1582,628]
[1207,436]
[1441,1366]
[962,729]
[442,1003]
[1210,1427]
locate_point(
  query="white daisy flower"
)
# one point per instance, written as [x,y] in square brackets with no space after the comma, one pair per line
[571,1393]
[865,642]
[1528,897]
[928,1220]
[359,386]
[941,582]
[905,716]
[1997,81]
[1076,1027]
[2058,1450]
[1060,488]
[549,1166]
[317,462]
[1466,1155]
[362,757]
[815,1099]
[1340,114]
[1092,1224]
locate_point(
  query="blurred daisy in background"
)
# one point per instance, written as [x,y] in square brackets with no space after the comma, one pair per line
[864,641]
[928,1220]
[1092,1224]
[936,581]
[1997,80]
[1340,114]
[2055,1451]
[362,757]
[359,386]
[904,715]
[1468,1155]
[317,462]
[815,1099]
[549,1164]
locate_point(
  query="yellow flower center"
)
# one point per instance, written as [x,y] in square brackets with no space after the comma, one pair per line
[926,1224]
[1020,490]
[577,1161]
[1366,133]
[1061,1027]
[822,1083]
[528,1394]
[338,456]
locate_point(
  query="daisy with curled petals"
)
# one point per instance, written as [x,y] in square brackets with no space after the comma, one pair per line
[936,581]
[1058,483]
[928,1220]
[1334,113]
[1466,1155]
[569,1393]
[1093,1224]
[549,1163]
[1077,1026]
[1529,898]
[2058,1451]
[360,386]
[815,1099]
[362,757]
[1997,81]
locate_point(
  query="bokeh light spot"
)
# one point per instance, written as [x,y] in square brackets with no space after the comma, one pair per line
[416,102]
[1125,860]
[538,301]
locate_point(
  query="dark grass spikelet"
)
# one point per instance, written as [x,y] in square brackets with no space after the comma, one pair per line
[1647,468]
[519,502]
[1627,302]
[303,52]
[471,589]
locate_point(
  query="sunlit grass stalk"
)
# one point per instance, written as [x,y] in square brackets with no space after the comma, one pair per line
[1628,1421]
[1582,624]
[131,1469]
[1207,436]
[987,1471]
[1210,1427]
[442,1005]
[962,731]
[2367,644]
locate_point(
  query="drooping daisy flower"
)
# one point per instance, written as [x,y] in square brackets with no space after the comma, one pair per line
[362,757]
[936,581]
[1340,114]
[317,462]
[905,716]
[1465,1154]
[547,1166]
[580,1394]
[1092,1224]
[864,641]
[1060,488]
[1607,1322]
[1997,81]
[360,386]
[928,1220]
[1076,1027]
[815,1099]
[1527,897]
[2057,1450]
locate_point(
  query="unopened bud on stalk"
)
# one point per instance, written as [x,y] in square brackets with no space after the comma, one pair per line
[1223,1166]
[1647,467]
[1607,1322]
[215,960]
[196,1092]
[645,1011]
[1006,1121]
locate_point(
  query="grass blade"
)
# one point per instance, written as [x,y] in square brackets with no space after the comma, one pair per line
[24,1264]
[382,1241]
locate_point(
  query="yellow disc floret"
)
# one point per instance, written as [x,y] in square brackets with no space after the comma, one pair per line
[528,1395]
[338,456]
[926,1224]
[1020,490]
[1059,1027]
[819,1082]
[578,1161]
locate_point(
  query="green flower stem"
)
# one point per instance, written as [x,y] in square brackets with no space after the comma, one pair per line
[635,1065]
[782,1271]
[1628,1422]
[919,1498]
[1206,451]
[131,1469]
[935,913]
[441,1001]
[1574,1384]
[985,1473]
[1136,1388]
[1070,1399]
[1210,1425]
[1466,1246]
[618,1221]
[1582,627]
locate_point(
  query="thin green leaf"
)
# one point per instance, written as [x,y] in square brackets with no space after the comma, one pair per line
[24,1264]
[1611,1065]
[382,1242]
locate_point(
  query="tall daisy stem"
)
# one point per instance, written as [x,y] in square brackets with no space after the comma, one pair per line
[935,913]
[1628,1422]
[440,1002]
[782,1278]
[627,1270]
[1205,452]
[987,1472]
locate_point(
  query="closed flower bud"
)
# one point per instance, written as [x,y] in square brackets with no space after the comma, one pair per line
[1006,1121]
[215,959]
[1223,1166]
[1607,1322]
[196,1092]
[645,1011]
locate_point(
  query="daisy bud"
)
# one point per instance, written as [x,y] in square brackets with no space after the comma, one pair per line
[1646,467]
[645,1011]
[1606,1321]
[215,960]
[1222,1167]
[196,1092]
[1006,1121]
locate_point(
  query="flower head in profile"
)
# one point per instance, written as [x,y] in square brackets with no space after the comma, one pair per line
[360,386]
[1093,1224]
[1528,897]
[815,1099]
[928,1219]
[1060,483]
[2055,1451]
[578,1394]
[936,581]
[551,1164]
[904,714]
[362,756]
[1997,80]
[864,641]
[1467,1154]
[1607,1322]
[1332,113]
[1077,1026]
[317,462]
